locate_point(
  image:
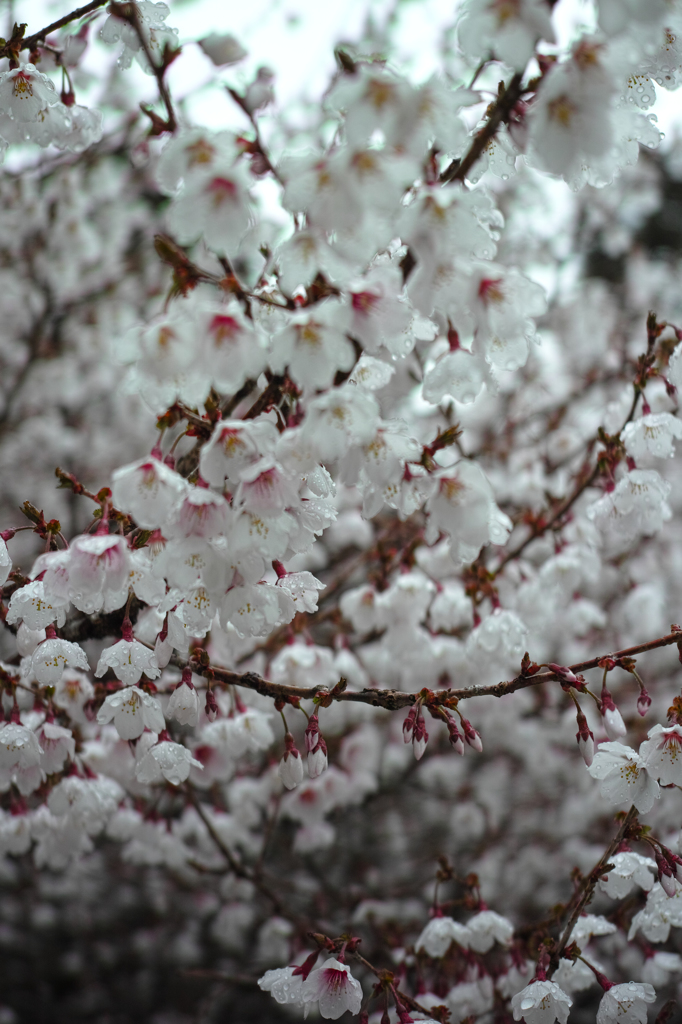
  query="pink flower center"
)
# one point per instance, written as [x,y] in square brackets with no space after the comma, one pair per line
[224,328]
[223,190]
[22,85]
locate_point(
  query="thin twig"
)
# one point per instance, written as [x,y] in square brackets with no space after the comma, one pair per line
[129,13]
[501,109]
[11,46]
[589,884]
[540,528]
[394,700]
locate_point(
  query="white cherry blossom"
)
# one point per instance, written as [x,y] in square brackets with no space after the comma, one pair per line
[662,754]
[148,490]
[283,985]
[131,710]
[541,1002]
[629,869]
[486,928]
[658,916]
[439,934]
[57,744]
[624,776]
[166,760]
[31,604]
[333,989]
[653,434]
[20,755]
[184,703]
[514,27]
[248,730]
[129,660]
[52,657]
[625,1004]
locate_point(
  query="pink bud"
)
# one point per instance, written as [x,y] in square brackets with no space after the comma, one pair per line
[586,747]
[471,736]
[420,736]
[408,724]
[665,876]
[304,969]
[643,701]
[291,766]
[211,706]
[613,720]
[564,673]
[585,739]
[317,759]
[312,732]
[455,736]
[676,865]
[419,746]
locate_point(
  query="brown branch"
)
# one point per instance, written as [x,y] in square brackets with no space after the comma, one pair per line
[238,869]
[499,113]
[19,42]
[259,147]
[542,526]
[129,12]
[394,700]
[255,876]
[383,976]
[589,883]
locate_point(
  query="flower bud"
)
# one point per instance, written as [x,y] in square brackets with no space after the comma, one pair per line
[613,720]
[420,736]
[585,739]
[455,736]
[291,766]
[676,865]
[317,759]
[565,674]
[312,733]
[304,969]
[211,706]
[643,701]
[471,736]
[665,875]
[408,724]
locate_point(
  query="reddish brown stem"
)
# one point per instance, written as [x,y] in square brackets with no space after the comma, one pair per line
[393,700]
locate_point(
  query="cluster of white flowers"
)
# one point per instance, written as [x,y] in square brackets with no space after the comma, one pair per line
[403,436]
[31,111]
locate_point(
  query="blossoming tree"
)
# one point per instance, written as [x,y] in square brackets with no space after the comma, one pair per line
[342,531]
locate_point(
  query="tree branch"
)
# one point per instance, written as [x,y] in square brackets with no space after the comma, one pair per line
[501,109]
[128,12]
[589,884]
[394,700]
[21,42]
